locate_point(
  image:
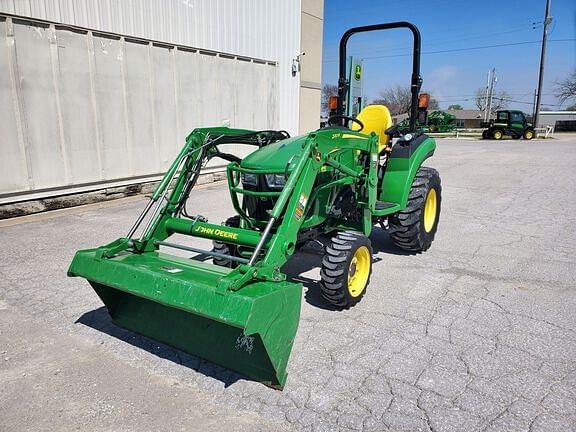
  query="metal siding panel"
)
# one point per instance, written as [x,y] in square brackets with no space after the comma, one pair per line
[76,105]
[226,98]
[261,90]
[245,95]
[8,6]
[37,7]
[110,104]
[116,18]
[38,93]
[272,97]
[183,22]
[164,103]
[189,102]
[13,172]
[145,157]
[208,89]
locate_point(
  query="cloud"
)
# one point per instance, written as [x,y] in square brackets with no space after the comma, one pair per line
[441,80]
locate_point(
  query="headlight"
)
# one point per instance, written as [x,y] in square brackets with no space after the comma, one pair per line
[275,181]
[249,179]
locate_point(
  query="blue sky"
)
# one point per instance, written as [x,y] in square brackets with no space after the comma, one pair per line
[453,77]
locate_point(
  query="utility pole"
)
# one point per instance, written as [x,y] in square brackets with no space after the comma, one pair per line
[534,106]
[547,21]
[493,81]
[487,94]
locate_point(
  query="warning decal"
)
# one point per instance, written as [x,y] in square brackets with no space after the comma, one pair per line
[302,201]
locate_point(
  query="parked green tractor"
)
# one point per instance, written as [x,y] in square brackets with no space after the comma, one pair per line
[437,122]
[508,123]
[335,183]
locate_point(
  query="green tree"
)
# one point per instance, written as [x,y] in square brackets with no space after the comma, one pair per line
[455,107]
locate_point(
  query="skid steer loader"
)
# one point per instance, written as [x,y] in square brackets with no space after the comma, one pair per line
[241,311]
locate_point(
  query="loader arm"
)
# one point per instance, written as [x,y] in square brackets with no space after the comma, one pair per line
[277,241]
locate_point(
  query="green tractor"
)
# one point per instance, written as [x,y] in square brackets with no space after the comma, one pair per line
[437,122]
[508,123]
[441,121]
[241,311]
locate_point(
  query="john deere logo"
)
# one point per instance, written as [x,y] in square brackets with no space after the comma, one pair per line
[357,72]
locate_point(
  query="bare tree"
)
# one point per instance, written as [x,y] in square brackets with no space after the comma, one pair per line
[397,99]
[500,100]
[328,90]
[566,89]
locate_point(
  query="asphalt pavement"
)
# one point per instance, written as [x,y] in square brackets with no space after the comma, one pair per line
[476,334]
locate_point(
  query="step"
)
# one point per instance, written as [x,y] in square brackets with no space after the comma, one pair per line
[383,205]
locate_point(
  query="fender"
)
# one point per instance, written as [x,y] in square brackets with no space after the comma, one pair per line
[403,163]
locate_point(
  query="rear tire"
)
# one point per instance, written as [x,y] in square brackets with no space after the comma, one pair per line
[226,248]
[413,229]
[346,269]
[497,134]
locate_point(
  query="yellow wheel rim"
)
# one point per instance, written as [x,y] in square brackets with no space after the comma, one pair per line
[528,135]
[430,207]
[497,135]
[359,271]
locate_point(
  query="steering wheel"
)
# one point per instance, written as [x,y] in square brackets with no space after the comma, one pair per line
[345,117]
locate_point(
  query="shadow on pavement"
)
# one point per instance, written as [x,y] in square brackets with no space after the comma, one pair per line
[306,259]
[100,320]
[381,242]
[310,257]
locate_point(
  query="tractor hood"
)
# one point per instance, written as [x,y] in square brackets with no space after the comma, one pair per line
[274,157]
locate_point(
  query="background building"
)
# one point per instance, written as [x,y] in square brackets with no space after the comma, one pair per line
[468,118]
[563,121]
[102,94]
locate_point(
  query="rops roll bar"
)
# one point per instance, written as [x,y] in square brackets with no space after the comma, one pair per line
[416,81]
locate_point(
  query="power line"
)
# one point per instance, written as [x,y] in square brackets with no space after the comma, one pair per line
[512,94]
[464,49]
[528,103]
[500,99]
[454,38]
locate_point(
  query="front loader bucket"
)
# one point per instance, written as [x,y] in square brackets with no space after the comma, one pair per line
[175,301]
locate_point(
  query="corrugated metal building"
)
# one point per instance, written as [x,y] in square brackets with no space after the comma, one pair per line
[103,92]
[562,121]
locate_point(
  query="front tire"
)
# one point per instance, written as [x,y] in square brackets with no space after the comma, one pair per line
[346,269]
[497,134]
[528,134]
[414,228]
